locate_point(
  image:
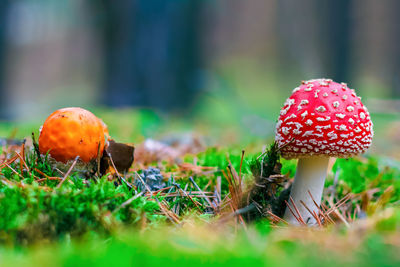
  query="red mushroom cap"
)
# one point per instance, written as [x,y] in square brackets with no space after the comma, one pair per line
[323,118]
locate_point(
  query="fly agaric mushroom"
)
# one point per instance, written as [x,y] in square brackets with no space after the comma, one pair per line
[71,132]
[321,119]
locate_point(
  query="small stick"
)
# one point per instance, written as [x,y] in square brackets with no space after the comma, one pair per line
[240,168]
[219,182]
[22,162]
[14,171]
[290,209]
[36,147]
[277,218]
[2,165]
[116,171]
[262,161]
[161,190]
[327,217]
[48,178]
[186,194]
[21,159]
[339,204]
[129,201]
[324,208]
[315,203]
[339,215]
[201,192]
[40,172]
[68,172]
[59,171]
[313,213]
[318,219]
[297,210]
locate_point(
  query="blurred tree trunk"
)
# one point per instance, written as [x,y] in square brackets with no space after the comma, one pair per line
[337,18]
[3,24]
[377,53]
[395,51]
[152,53]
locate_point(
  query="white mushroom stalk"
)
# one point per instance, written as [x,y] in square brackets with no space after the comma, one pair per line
[321,119]
[309,179]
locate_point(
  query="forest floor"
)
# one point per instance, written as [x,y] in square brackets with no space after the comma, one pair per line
[186,200]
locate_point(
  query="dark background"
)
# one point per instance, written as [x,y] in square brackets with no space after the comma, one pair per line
[181,56]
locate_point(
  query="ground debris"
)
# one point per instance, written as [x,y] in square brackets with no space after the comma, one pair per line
[153,179]
[269,190]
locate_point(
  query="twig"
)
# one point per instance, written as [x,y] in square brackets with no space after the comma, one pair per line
[240,168]
[14,171]
[291,211]
[313,213]
[297,210]
[277,218]
[186,194]
[36,148]
[340,203]
[326,216]
[98,159]
[201,192]
[3,164]
[68,172]
[21,159]
[338,214]
[300,220]
[116,171]
[219,188]
[42,173]
[48,178]
[22,162]
[129,201]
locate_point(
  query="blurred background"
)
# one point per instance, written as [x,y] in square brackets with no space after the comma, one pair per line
[214,62]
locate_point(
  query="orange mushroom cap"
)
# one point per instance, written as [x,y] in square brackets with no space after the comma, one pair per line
[71,132]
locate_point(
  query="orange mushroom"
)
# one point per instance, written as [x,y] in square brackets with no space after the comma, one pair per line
[71,132]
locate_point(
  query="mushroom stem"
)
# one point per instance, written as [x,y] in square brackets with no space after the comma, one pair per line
[310,176]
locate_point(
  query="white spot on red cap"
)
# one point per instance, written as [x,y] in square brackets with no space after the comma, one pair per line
[340,115]
[322,127]
[326,118]
[290,117]
[297,131]
[321,109]
[304,102]
[336,104]
[285,130]
[341,127]
[307,133]
[323,83]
